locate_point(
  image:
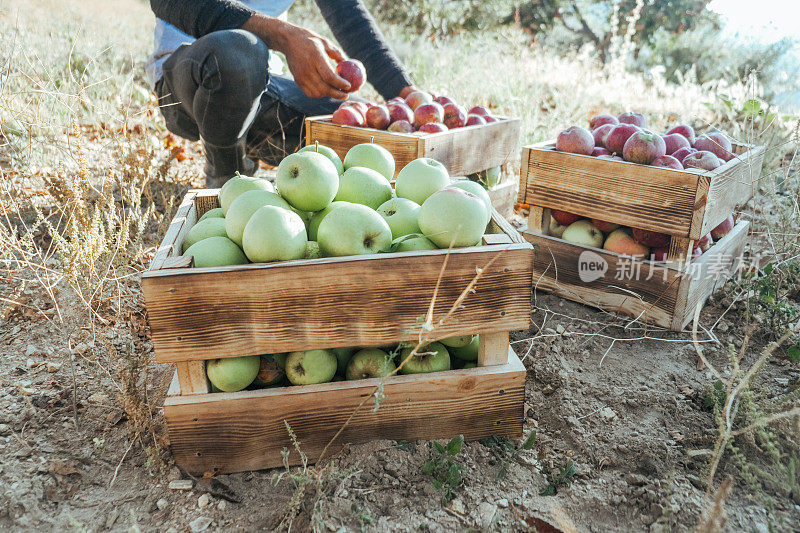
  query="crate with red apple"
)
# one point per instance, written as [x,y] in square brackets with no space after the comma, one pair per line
[216,304]
[619,222]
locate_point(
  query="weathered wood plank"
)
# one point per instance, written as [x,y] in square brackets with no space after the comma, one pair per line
[493,349]
[192,377]
[205,201]
[167,246]
[246,430]
[503,197]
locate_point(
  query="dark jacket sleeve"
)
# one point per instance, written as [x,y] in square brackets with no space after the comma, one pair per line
[359,36]
[201,17]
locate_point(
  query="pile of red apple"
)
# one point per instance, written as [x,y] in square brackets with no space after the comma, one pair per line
[633,242]
[625,138]
[419,111]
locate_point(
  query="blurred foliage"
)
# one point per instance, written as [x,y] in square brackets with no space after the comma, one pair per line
[437,18]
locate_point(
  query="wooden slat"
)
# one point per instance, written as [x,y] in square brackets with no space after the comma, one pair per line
[192,377]
[493,349]
[205,201]
[504,226]
[539,220]
[167,246]
[246,431]
[556,269]
[174,386]
[496,238]
[524,171]
[680,252]
[181,261]
[348,301]
[503,197]
[639,196]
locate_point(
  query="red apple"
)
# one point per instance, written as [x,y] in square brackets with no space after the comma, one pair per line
[575,140]
[455,116]
[402,126]
[432,127]
[705,242]
[479,110]
[400,111]
[348,116]
[650,238]
[610,157]
[621,242]
[675,141]
[598,151]
[681,153]
[723,228]
[683,129]
[475,120]
[602,120]
[398,99]
[605,227]
[353,71]
[667,161]
[490,118]
[716,143]
[425,113]
[600,133]
[443,100]
[378,117]
[696,252]
[564,218]
[660,253]
[643,147]
[702,160]
[615,139]
[629,117]
[360,106]
[417,98]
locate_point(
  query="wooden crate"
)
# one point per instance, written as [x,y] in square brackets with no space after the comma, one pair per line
[205,313]
[503,196]
[685,204]
[463,150]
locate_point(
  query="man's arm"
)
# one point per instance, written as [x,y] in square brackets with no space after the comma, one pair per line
[201,17]
[359,35]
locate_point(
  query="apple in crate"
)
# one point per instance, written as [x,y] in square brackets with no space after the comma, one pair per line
[564,218]
[723,228]
[401,215]
[616,138]
[269,372]
[307,180]
[378,117]
[361,185]
[454,116]
[210,227]
[233,374]
[583,232]
[685,130]
[702,160]
[432,127]
[243,208]
[489,178]
[420,178]
[370,363]
[328,152]
[402,126]
[475,120]
[311,366]
[622,242]
[650,238]
[353,71]
[477,190]
[216,251]
[575,140]
[716,143]
[443,100]
[237,185]
[372,156]
[479,110]
[697,252]
[454,217]
[348,116]
[414,242]
[556,229]
[629,117]
[431,358]
[681,153]
[317,218]
[600,133]
[643,147]
[468,352]
[667,161]
[274,234]
[343,356]
[605,227]
[674,142]
[213,213]
[400,111]
[425,113]
[602,120]
[597,151]
[353,229]
[417,98]
[660,253]
[457,342]
[705,242]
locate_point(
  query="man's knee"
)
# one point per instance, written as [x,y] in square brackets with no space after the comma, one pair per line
[239,58]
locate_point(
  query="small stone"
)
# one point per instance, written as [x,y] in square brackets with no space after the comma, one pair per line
[181,484]
[4,430]
[486,511]
[162,504]
[174,474]
[560,329]
[80,348]
[203,501]
[53,367]
[457,506]
[97,398]
[608,413]
[222,505]
[30,350]
[502,503]
[199,524]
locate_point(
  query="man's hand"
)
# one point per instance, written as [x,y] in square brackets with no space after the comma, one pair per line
[306,54]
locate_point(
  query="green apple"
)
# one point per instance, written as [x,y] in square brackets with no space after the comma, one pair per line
[239,184]
[468,352]
[453,215]
[211,227]
[421,178]
[280,360]
[361,185]
[216,251]
[316,218]
[370,363]
[412,243]
[244,206]
[233,374]
[274,234]
[372,156]
[457,342]
[311,366]
[431,358]
[213,213]
[477,190]
[343,356]
[328,152]
[353,229]
[488,178]
[401,215]
[583,232]
[312,250]
[269,373]
[470,364]
[307,180]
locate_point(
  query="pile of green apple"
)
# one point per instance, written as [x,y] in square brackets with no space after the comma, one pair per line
[326,207]
[321,366]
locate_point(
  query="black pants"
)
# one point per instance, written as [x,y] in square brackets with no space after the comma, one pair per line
[218,89]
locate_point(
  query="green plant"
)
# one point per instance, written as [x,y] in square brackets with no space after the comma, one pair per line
[446,474]
[559,478]
[507,451]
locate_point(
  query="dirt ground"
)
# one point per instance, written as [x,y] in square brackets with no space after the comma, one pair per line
[626,405]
